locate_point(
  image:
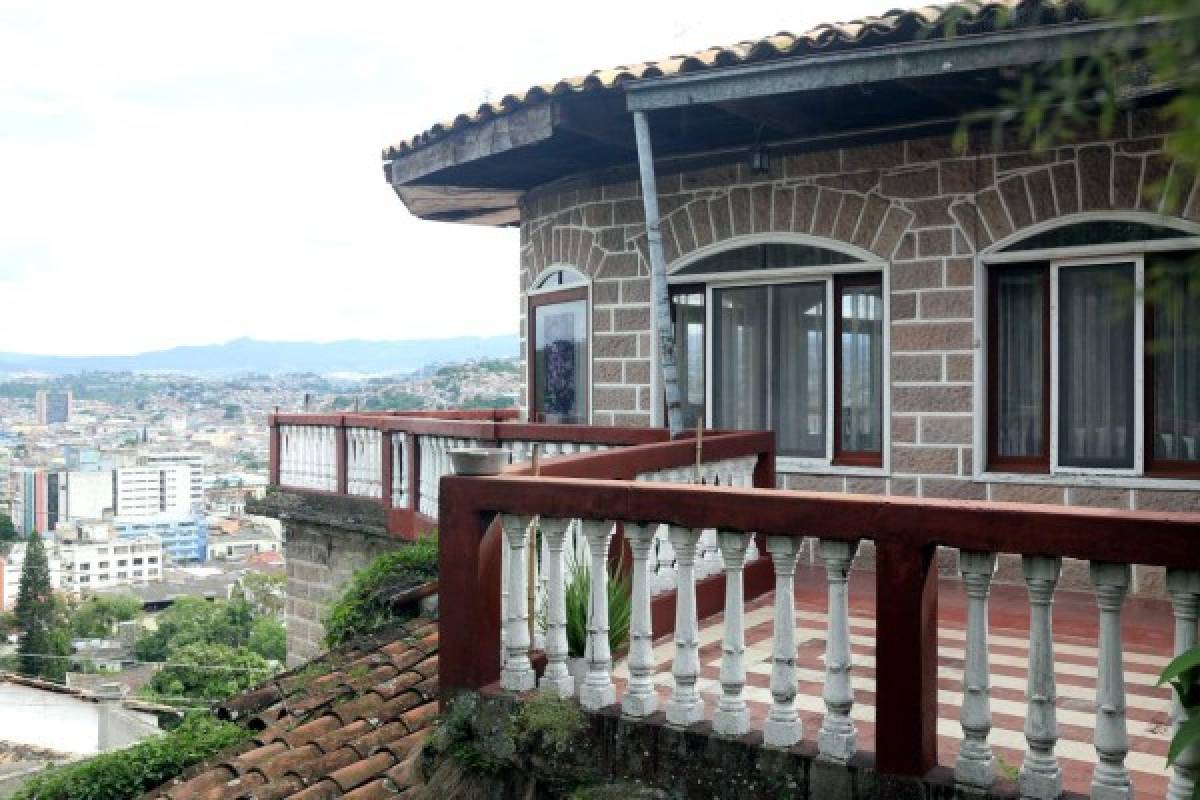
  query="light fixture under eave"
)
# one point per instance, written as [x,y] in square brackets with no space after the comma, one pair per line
[760,160]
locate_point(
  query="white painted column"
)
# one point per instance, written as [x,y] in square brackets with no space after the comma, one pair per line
[556,679]
[598,689]
[686,706]
[732,717]
[1041,777]
[783,728]
[517,675]
[1110,780]
[976,766]
[1184,589]
[640,698]
[837,738]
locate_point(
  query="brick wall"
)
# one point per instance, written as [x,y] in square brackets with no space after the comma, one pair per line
[320,562]
[920,206]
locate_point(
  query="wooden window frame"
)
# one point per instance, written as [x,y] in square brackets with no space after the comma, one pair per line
[1151,467]
[535,301]
[1157,467]
[841,457]
[1028,464]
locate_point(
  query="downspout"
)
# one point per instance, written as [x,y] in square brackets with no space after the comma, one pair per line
[658,277]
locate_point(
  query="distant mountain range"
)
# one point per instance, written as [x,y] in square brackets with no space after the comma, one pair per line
[252,355]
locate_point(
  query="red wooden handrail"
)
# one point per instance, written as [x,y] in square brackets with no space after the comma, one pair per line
[906,533]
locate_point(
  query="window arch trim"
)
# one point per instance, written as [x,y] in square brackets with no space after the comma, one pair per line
[1189,238]
[863,260]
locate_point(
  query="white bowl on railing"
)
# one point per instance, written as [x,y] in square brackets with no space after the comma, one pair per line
[478,460]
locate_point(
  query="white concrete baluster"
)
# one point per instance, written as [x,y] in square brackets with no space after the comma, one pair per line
[1110,780]
[783,728]
[1184,588]
[598,689]
[686,705]
[640,698]
[556,678]
[976,765]
[837,738]
[517,675]
[1040,777]
[732,717]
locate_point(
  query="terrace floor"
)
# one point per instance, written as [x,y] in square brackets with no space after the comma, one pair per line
[1147,629]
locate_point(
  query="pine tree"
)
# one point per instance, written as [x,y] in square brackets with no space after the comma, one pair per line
[40,622]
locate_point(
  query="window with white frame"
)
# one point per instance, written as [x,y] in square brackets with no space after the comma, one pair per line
[1093,361]
[794,334]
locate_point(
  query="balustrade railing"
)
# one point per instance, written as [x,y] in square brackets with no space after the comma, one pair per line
[590,494]
[399,458]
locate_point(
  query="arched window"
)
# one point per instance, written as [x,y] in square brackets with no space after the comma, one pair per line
[1093,348]
[558,352]
[788,336]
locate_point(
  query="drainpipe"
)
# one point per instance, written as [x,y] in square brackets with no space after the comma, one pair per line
[658,277]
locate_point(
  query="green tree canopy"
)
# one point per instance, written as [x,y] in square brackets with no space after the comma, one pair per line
[207,672]
[268,638]
[98,616]
[194,619]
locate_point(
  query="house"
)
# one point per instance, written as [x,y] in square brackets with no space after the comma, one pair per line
[891,353]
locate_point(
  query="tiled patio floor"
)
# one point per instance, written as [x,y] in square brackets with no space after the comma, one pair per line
[1147,631]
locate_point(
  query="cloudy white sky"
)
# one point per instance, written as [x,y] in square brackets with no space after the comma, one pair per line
[187,173]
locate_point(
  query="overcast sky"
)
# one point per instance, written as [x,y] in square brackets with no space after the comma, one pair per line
[188,173]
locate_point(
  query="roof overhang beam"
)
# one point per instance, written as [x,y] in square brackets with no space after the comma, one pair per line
[961,54]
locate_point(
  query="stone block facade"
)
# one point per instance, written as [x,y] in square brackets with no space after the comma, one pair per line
[321,559]
[923,208]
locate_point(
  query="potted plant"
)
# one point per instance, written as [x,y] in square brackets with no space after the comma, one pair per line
[578,603]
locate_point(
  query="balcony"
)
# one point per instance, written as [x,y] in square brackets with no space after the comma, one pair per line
[959,654]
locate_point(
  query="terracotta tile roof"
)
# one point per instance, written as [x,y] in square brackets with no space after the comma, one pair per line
[893,27]
[347,724]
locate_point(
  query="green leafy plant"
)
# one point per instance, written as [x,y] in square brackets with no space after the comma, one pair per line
[1183,673]
[206,672]
[579,602]
[366,605]
[127,773]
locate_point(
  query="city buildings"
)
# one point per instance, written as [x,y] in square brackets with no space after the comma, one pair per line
[184,538]
[94,559]
[53,407]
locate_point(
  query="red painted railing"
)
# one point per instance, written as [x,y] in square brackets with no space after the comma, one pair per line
[906,533]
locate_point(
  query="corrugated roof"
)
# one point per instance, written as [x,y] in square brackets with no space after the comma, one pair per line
[893,27]
[349,723]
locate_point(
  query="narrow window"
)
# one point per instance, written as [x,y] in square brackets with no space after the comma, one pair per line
[740,352]
[1096,366]
[799,395]
[687,310]
[858,365]
[559,340]
[1018,368]
[1173,350]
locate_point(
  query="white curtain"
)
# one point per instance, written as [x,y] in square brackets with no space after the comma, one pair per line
[740,347]
[1019,366]
[1096,366]
[800,371]
[1175,350]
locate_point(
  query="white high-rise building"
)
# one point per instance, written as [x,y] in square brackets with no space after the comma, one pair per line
[153,490]
[98,560]
[194,462]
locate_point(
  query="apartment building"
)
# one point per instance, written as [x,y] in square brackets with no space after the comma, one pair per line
[96,561]
[53,407]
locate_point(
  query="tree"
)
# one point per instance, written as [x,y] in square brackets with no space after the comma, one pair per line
[268,638]
[207,672]
[194,619]
[264,591]
[42,640]
[97,616]
[8,532]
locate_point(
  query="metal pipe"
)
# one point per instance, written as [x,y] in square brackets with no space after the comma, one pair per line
[658,276]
